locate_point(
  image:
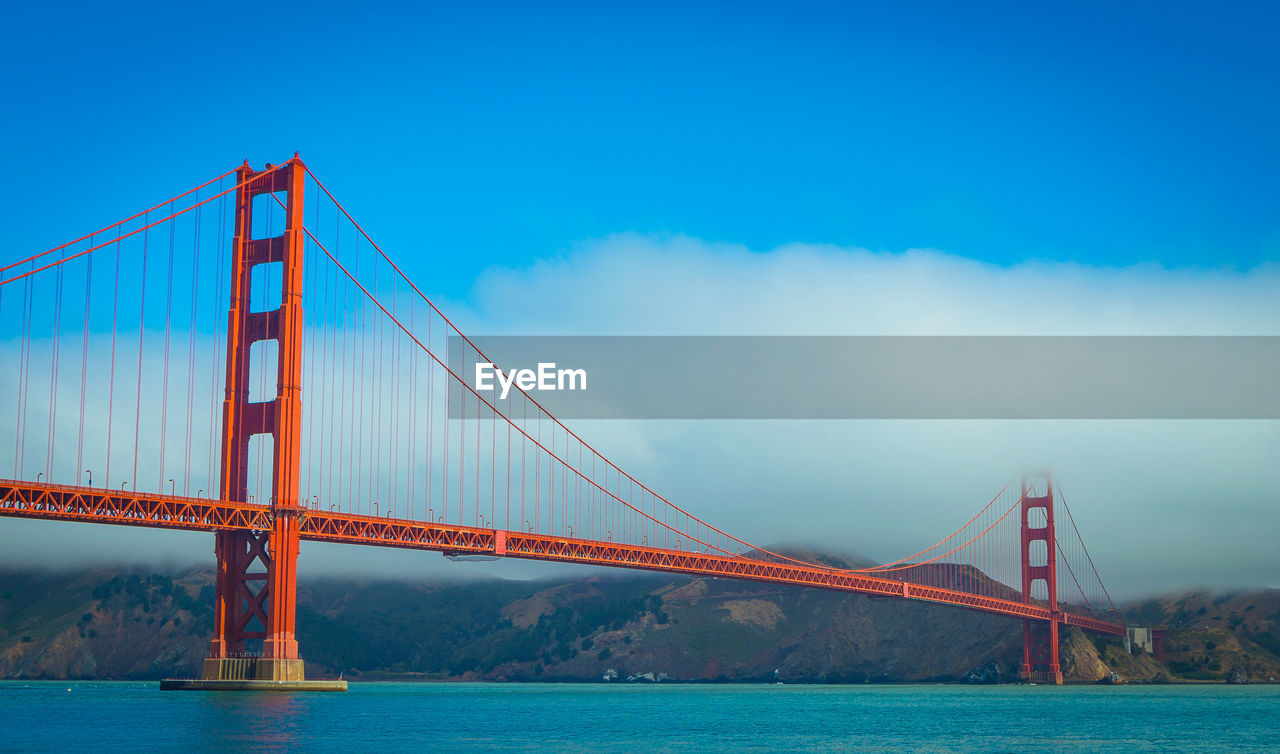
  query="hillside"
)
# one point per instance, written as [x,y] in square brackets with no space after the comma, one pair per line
[117,623]
[1211,636]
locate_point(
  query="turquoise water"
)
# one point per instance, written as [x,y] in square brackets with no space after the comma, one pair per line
[61,716]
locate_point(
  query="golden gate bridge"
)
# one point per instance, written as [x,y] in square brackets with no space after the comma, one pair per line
[137,397]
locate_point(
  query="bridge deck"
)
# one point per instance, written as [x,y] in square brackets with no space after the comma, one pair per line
[96,505]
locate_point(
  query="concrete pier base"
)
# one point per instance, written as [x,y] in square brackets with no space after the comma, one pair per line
[173,684]
[251,674]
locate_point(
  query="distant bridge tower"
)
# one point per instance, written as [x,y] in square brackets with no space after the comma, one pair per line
[1040,639]
[257,571]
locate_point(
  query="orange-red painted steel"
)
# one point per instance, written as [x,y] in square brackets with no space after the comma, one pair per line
[1040,640]
[87,504]
[257,543]
[269,596]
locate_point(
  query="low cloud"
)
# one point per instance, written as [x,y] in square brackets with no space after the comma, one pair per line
[644,285]
[1161,504]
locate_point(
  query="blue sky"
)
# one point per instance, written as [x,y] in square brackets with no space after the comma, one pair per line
[470,135]
[718,168]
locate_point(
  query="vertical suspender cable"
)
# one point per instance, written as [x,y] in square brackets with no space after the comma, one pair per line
[84,361]
[191,352]
[168,328]
[137,406]
[111,379]
[211,480]
[54,353]
[411,476]
[375,401]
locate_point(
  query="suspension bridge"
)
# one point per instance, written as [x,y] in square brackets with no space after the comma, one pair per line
[183,368]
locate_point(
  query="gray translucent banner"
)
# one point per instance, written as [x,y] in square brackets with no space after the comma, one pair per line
[784,377]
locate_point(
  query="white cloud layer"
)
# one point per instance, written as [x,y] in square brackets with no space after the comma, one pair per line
[629,284]
[1161,505]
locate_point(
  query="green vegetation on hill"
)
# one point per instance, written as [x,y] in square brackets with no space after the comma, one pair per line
[1212,636]
[117,623]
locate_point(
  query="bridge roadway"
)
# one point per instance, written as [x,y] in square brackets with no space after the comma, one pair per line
[121,507]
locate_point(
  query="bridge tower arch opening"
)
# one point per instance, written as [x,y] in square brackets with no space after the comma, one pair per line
[256,577]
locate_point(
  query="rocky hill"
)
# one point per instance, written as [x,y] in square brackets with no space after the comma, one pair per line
[1217,637]
[120,623]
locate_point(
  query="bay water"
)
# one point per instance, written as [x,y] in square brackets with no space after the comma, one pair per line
[134,716]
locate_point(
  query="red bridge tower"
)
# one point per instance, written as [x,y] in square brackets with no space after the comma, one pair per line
[256,576]
[1040,639]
